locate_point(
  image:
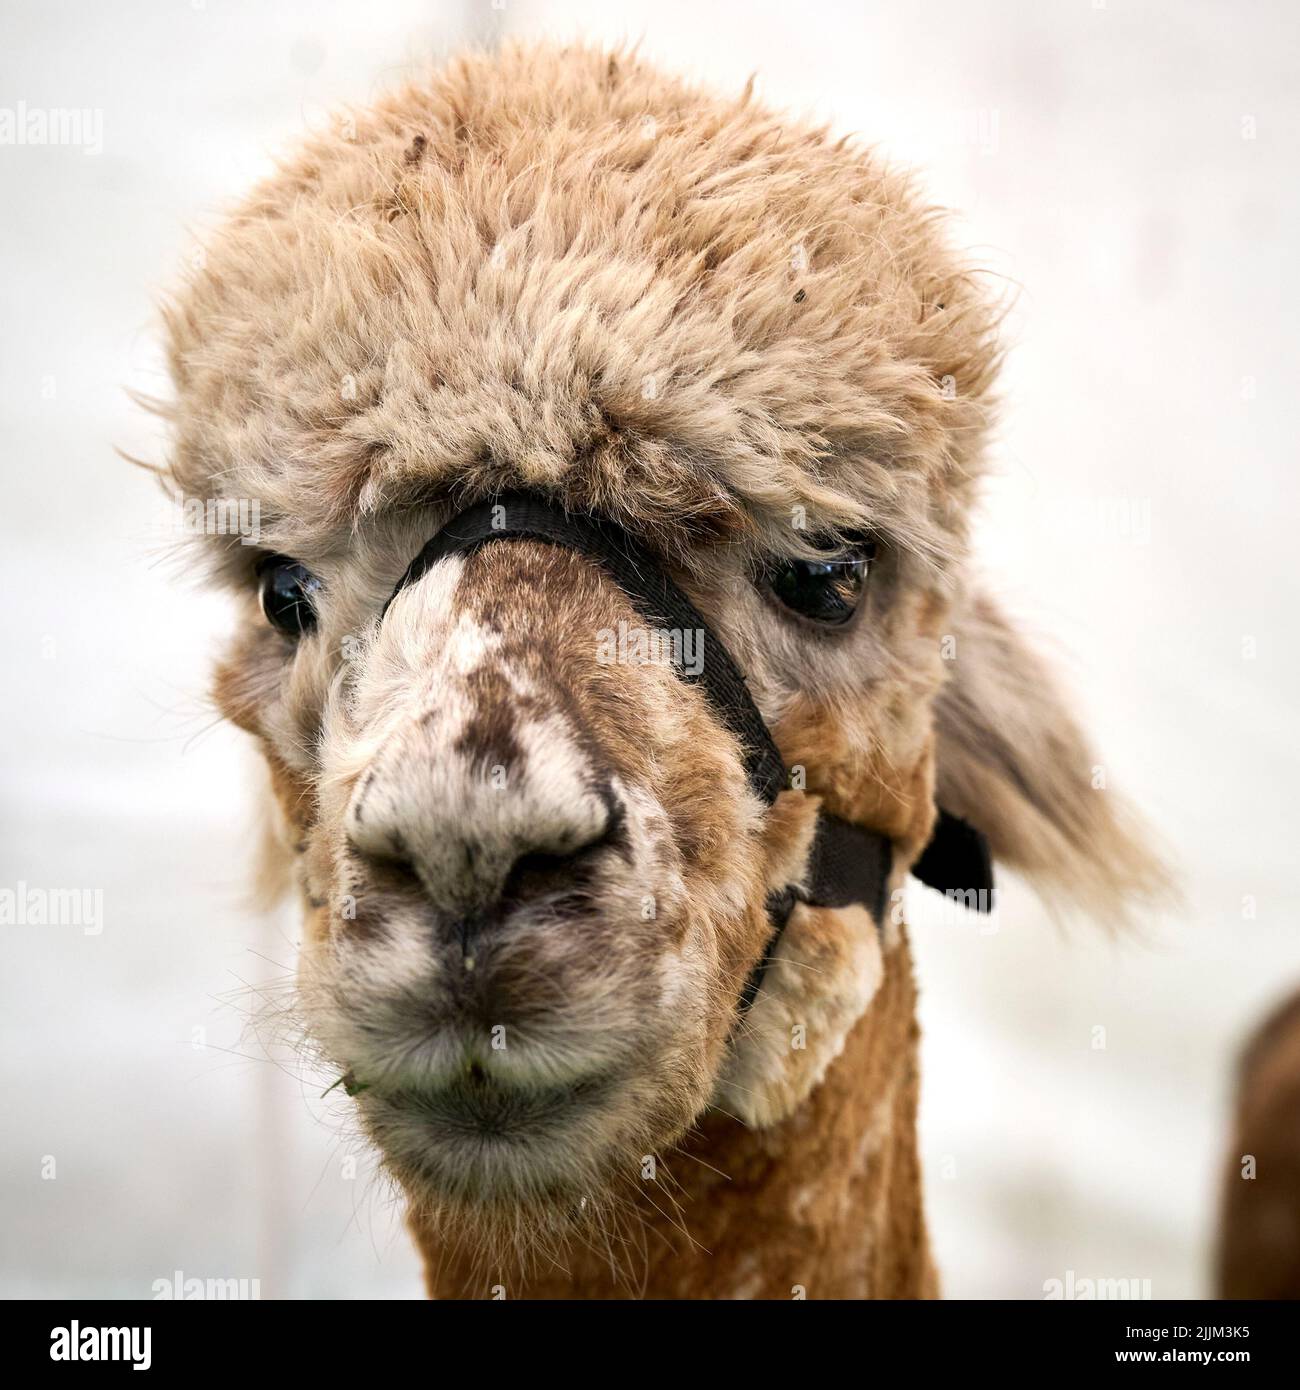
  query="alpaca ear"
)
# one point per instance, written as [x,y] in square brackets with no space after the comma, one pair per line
[1011,760]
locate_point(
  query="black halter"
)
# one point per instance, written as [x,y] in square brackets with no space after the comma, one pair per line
[849,863]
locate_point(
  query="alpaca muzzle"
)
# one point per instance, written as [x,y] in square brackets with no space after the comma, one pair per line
[848,863]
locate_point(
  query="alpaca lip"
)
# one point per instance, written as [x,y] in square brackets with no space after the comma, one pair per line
[478,1104]
[493,1143]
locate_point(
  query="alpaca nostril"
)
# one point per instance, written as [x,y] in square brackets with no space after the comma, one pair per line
[388,860]
[556,872]
[560,876]
[539,872]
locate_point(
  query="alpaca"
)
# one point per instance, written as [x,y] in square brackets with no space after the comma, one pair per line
[1259,1227]
[537,879]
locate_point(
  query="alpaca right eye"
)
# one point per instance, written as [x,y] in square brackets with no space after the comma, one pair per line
[288,592]
[826,592]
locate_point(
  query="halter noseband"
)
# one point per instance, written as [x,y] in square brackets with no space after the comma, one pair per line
[848,863]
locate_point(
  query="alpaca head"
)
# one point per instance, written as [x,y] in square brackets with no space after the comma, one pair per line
[534,872]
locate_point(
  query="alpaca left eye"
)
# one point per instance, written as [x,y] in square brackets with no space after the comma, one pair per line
[288,592]
[826,591]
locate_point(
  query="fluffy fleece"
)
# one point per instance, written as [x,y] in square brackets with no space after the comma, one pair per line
[744,340]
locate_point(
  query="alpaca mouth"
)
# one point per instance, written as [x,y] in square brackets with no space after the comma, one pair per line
[469,1127]
[480,1140]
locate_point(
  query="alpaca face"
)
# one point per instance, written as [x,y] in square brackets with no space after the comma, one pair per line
[541,947]
[534,872]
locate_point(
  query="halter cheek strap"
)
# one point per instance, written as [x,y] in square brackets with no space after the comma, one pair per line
[848,863]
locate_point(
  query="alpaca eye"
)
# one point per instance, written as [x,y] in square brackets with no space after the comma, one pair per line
[823,591]
[288,595]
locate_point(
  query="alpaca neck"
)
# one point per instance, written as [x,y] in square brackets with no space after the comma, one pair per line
[825,1204]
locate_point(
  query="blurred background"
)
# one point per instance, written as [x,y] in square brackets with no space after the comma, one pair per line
[1126,167]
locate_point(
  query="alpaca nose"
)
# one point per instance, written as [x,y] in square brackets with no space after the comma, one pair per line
[481,843]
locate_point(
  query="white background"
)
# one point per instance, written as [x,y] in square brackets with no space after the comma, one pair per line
[1099,155]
